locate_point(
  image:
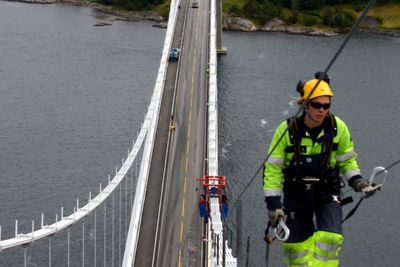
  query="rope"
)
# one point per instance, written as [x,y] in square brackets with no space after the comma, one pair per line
[322,76]
[390,166]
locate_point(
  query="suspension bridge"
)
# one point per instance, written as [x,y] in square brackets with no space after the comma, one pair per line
[147,214]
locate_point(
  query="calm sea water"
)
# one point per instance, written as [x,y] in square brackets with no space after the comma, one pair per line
[257,80]
[73,96]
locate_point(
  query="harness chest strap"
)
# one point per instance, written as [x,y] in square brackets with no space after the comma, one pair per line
[293,131]
[329,143]
[295,139]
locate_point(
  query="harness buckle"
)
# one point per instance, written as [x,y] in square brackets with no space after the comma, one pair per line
[335,198]
[310,179]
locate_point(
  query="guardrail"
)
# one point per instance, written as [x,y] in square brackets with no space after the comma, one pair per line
[137,210]
[221,254]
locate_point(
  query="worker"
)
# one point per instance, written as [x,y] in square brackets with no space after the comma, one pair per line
[307,164]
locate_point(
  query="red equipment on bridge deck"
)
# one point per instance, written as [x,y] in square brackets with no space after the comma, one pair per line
[214,186]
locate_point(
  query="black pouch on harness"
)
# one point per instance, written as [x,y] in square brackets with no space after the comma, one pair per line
[330,181]
[305,192]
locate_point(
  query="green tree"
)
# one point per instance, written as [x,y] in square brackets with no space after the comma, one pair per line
[260,10]
[234,9]
[310,4]
[106,2]
[294,18]
[308,20]
[328,16]
[334,17]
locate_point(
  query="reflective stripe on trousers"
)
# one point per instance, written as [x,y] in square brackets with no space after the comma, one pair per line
[326,249]
[298,254]
[320,250]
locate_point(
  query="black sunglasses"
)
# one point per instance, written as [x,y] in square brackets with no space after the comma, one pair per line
[317,105]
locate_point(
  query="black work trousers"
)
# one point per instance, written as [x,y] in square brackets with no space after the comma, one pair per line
[301,209]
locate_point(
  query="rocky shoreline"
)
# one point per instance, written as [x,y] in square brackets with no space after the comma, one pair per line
[228,23]
[126,16]
[274,25]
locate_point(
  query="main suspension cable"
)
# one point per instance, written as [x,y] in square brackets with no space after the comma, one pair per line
[321,77]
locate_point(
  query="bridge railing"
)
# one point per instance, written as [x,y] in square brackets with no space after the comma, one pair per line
[221,254]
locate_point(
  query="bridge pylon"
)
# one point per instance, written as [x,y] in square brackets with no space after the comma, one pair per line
[220,49]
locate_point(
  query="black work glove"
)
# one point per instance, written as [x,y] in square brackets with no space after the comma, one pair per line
[365,186]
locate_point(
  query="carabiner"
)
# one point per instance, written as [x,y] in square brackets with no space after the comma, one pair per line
[281,228]
[374,172]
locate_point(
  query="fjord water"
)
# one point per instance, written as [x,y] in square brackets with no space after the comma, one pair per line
[73,96]
[257,81]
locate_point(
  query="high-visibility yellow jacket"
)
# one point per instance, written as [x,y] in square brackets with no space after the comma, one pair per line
[342,156]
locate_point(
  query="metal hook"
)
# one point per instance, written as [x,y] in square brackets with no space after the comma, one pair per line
[281,228]
[369,190]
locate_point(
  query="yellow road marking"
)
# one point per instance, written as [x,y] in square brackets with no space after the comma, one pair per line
[181,232]
[180,258]
[187,148]
[190,121]
[183,207]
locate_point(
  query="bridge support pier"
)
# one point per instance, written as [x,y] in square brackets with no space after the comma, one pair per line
[220,49]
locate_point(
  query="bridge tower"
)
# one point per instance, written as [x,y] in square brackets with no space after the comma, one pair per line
[220,48]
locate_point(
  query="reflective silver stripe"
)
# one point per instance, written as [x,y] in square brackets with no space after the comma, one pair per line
[350,174]
[273,192]
[346,156]
[292,255]
[327,247]
[275,161]
[323,258]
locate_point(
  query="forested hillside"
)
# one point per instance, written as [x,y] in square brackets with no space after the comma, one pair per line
[332,13]
[329,13]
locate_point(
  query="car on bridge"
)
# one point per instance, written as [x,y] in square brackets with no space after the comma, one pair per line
[195,3]
[174,54]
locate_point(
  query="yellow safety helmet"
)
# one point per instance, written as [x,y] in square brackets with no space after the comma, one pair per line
[305,89]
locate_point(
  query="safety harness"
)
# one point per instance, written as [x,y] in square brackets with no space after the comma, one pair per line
[330,131]
[301,175]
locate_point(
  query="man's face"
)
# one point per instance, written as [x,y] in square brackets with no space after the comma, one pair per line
[318,108]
